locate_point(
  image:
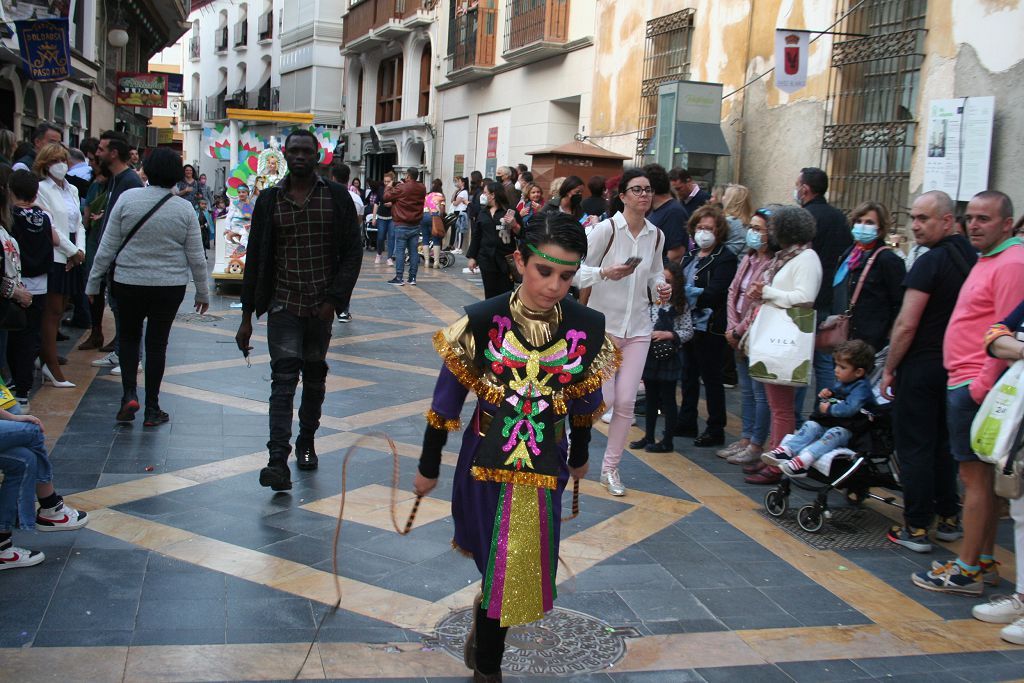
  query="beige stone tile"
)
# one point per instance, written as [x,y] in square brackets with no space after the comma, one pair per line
[833,642]
[233,560]
[371,505]
[961,635]
[387,660]
[432,305]
[339,383]
[388,365]
[209,366]
[135,530]
[608,537]
[225,331]
[126,492]
[174,663]
[93,664]
[686,651]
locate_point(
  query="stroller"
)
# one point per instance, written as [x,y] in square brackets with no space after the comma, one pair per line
[868,461]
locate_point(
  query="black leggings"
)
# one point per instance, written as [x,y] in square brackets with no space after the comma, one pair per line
[490,642]
[23,347]
[157,306]
[660,396]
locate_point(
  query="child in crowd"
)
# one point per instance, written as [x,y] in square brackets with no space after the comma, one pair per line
[673,327]
[854,359]
[206,223]
[26,469]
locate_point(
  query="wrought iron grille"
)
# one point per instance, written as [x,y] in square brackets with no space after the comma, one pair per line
[666,58]
[871,119]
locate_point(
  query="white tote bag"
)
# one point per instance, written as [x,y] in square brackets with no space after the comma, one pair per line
[995,426]
[781,345]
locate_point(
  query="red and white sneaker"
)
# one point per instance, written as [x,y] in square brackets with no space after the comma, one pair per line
[12,557]
[62,517]
[776,456]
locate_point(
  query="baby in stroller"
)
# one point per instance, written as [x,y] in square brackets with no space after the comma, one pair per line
[829,428]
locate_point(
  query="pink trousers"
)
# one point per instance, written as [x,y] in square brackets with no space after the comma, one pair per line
[620,395]
[780,403]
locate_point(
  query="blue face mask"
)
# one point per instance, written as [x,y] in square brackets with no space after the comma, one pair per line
[754,240]
[864,234]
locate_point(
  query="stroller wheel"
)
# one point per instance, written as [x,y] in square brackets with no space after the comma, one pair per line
[810,519]
[775,503]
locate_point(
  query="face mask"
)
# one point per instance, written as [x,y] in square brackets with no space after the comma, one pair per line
[576,202]
[518,186]
[753,239]
[483,200]
[796,197]
[704,238]
[59,170]
[864,234]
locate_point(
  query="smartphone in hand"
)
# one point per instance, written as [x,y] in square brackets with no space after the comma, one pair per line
[633,261]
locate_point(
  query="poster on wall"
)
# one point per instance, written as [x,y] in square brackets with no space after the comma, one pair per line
[959,146]
[791,59]
[491,165]
[460,166]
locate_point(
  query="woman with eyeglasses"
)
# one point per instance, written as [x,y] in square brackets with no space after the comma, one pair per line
[709,269]
[624,269]
[881,296]
[739,314]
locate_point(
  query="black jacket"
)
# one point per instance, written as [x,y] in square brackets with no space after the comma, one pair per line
[258,281]
[714,274]
[700,199]
[485,246]
[880,298]
[831,239]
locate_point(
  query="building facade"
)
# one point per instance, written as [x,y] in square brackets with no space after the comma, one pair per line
[84,104]
[863,114]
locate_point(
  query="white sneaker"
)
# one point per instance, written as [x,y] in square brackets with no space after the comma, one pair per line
[1014,633]
[376,260]
[108,361]
[607,417]
[12,557]
[1001,609]
[116,371]
[611,481]
[62,517]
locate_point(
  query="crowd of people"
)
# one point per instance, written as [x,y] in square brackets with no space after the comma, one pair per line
[683,280]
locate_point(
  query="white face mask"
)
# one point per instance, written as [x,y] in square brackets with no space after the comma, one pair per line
[483,200]
[59,170]
[704,238]
[796,197]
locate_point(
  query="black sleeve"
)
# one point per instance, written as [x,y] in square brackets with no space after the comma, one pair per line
[717,289]
[474,241]
[579,445]
[434,440]
[350,250]
[254,250]
[922,275]
[893,273]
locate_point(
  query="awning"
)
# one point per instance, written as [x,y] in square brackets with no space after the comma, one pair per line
[701,138]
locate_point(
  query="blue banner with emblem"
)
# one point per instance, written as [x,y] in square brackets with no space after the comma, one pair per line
[45,49]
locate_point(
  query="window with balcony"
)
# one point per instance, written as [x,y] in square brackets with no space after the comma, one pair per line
[535,21]
[266,26]
[874,86]
[221,40]
[666,59]
[241,32]
[389,90]
[471,35]
[425,61]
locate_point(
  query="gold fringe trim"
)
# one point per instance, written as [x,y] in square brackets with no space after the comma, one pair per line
[603,367]
[540,481]
[588,419]
[460,550]
[467,375]
[440,422]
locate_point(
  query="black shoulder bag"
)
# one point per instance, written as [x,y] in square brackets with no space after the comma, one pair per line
[131,234]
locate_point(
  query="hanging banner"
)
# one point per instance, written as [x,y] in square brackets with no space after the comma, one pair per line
[491,164]
[45,49]
[791,59]
[141,89]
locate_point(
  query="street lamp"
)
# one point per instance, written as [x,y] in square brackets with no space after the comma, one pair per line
[117,30]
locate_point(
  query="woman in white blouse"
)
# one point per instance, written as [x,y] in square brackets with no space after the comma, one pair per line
[624,268]
[59,198]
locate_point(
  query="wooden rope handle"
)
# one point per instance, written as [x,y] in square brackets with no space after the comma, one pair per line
[412,515]
[575,501]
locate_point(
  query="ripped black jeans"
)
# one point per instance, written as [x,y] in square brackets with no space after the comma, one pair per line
[298,344]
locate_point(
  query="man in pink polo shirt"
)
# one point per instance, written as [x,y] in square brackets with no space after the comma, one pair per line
[991,291]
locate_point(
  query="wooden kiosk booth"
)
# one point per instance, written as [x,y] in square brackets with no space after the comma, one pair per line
[577,158]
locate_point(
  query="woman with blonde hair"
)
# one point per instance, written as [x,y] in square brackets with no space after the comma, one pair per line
[738,209]
[59,198]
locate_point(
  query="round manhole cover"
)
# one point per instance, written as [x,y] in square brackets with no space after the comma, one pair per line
[197,318]
[564,643]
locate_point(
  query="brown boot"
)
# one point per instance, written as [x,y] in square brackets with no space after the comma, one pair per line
[469,651]
[95,340]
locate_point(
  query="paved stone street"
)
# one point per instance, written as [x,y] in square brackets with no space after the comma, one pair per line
[190,571]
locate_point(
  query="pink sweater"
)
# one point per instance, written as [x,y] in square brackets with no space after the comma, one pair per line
[991,291]
[738,305]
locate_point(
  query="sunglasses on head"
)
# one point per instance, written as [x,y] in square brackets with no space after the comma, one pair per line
[763,212]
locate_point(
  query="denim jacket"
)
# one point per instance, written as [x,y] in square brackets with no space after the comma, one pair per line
[851,398]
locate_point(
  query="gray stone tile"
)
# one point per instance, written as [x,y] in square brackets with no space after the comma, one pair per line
[842,618]
[16,637]
[735,602]
[197,584]
[665,604]
[834,670]
[930,677]
[963,660]
[759,620]
[302,549]
[434,578]
[605,605]
[167,636]
[91,613]
[170,612]
[270,635]
[705,571]
[884,666]
[85,637]
[811,598]
[107,560]
[687,626]
[738,552]
[635,577]
[772,574]
[75,582]
[269,613]
[765,673]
